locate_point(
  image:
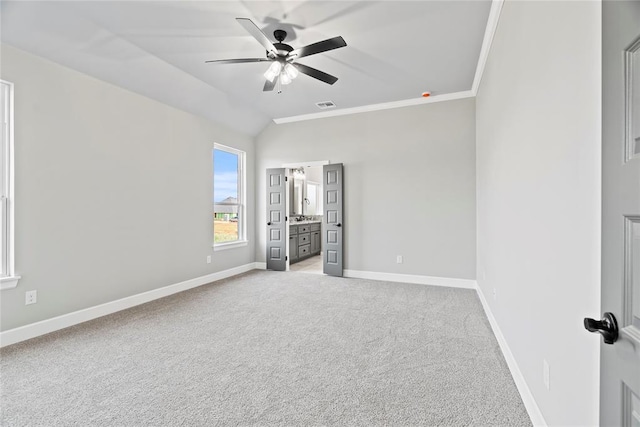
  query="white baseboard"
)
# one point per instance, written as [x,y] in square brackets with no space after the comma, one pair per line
[525,393]
[33,330]
[411,278]
[261,265]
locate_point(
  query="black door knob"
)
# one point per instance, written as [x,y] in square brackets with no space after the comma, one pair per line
[268,223]
[607,327]
[338,225]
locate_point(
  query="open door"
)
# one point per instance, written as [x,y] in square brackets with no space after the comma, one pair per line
[276,220]
[333,224]
[620,323]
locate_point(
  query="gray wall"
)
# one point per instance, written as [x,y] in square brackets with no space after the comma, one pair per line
[409,178]
[113,192]
[538,179]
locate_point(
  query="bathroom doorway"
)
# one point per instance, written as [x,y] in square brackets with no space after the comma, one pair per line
[294,236]
[304,207]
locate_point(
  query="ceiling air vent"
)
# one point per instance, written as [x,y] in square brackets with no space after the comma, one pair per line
[325,104]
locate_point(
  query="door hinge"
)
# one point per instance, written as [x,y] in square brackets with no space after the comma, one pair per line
[286,178]
[286,218]
[286,258]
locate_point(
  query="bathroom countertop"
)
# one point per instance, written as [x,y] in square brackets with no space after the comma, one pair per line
[313,221]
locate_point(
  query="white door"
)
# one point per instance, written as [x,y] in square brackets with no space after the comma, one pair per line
[620,362]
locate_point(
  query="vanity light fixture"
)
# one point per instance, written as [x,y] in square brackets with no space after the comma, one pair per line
[299,173]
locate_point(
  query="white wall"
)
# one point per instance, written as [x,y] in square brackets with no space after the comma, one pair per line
[538,181]
[113,192]
[409,178]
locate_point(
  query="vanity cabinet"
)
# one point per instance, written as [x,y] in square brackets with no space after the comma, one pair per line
[293,248]
[315,238]
[304,238]
[304,228]
[315,242]
[303,251]
[304,241]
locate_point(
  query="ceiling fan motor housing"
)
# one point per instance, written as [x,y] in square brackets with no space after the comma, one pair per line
[283,49]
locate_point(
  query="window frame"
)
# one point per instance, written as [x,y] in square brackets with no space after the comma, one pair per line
[8,278]
[242,198]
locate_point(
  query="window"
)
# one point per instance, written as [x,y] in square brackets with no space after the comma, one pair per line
[314,199]
[8,279]
[229,214]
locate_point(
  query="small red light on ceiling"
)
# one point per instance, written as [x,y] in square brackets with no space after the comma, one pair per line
[426,94]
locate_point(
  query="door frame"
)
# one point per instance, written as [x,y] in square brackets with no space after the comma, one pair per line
[294,165]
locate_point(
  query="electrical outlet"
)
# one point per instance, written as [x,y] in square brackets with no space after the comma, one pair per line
[208,259]
[495,294]
[30,297]
[399,259]
[546,374]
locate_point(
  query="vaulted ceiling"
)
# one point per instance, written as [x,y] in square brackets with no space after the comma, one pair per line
[396,50]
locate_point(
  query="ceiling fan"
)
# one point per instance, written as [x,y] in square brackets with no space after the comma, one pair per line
[283,68]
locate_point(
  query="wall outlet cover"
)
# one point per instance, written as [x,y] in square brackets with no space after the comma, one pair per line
[30,297]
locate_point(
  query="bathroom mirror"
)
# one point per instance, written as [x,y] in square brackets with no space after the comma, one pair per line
[297,196]
[305,191]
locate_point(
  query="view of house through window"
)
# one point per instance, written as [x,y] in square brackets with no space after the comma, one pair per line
[228,189]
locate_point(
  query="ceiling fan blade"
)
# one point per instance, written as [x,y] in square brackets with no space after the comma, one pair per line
[316,74]
[318,47]
[257,34]
[268,86]
[238,61]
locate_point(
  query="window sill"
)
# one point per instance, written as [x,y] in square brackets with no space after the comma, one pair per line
[232,245]
[9,282]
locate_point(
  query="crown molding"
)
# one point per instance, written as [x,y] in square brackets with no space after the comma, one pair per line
[375,107]
[489,32]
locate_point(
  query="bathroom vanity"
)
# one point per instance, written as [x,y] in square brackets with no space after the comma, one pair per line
[304,240]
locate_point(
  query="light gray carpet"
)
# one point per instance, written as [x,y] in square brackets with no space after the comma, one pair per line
[269,348]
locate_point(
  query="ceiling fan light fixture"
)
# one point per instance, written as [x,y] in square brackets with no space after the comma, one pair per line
[285,79]
[273,71]
[291,71]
